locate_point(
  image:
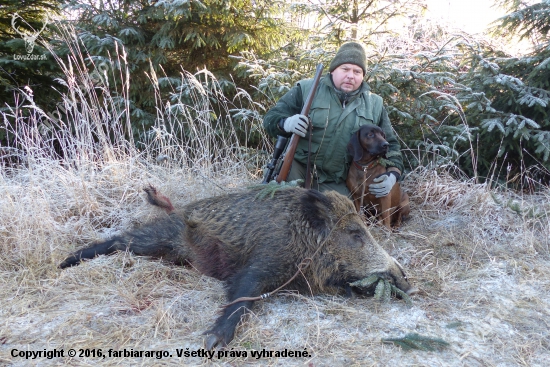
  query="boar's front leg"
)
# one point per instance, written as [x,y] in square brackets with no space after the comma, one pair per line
[248,282]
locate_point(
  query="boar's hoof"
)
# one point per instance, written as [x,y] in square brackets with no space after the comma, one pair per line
[211,341]
[214,339]
[70,261]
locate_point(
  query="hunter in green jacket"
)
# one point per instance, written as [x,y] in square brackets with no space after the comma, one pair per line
[342,103]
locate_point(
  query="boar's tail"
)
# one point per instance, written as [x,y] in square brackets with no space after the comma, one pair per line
[154,197]
[161,239]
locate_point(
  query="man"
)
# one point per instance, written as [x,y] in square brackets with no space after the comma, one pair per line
[343,102]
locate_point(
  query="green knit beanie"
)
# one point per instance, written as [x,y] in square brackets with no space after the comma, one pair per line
[350,53]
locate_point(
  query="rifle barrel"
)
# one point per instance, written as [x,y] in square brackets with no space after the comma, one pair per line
[291,150]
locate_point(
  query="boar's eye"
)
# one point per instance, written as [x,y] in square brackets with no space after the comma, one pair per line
[357,235]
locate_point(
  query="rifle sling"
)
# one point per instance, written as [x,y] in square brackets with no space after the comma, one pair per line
[308,166]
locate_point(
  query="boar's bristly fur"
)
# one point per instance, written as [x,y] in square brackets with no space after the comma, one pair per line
[255,245]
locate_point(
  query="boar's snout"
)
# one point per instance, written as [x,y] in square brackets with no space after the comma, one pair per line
[393,272]
[399,278]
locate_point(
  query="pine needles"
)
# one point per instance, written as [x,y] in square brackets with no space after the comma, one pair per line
[419,342]
[384,289]
[530,212]
[273,186]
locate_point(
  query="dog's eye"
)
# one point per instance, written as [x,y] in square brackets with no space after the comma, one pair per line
[371,135]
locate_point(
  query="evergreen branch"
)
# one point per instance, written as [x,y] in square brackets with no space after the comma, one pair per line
[365,282]
[271,188]
[383,290]
[416,341]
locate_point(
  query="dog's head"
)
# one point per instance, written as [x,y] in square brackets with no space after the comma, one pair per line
[369,142]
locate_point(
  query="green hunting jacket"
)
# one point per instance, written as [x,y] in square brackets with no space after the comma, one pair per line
[333,124]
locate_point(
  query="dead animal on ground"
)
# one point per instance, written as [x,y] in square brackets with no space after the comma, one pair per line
[367,147]
[256,245]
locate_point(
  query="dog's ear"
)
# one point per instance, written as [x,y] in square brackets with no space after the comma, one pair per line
[383,133]
[354,147]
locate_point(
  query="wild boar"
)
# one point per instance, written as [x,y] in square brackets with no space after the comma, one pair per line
[255,245]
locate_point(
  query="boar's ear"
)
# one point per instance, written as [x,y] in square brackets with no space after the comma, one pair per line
[354,147]
[316,209]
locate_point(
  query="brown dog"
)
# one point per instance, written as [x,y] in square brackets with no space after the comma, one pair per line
[366,147]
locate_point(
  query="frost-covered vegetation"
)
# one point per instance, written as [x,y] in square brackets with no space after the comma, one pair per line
[117,110]
[467,100]
[480,257]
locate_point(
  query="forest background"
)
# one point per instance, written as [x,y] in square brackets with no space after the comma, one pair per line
[473,101]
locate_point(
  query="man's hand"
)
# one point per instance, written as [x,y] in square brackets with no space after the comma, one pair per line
[384,184]
[296,124]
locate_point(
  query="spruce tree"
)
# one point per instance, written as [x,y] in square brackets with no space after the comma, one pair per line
[18,67]
[162,38]
[507,99]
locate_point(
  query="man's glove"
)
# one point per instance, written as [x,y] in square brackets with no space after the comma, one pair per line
[384,184]
[296,124]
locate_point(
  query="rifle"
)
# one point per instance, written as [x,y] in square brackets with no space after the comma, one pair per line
[274,167]
[291,148]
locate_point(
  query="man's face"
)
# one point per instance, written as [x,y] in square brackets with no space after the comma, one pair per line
[347,77]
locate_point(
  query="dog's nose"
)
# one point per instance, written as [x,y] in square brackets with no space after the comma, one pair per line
[385,145]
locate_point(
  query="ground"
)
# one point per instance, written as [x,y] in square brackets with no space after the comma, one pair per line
[480,256]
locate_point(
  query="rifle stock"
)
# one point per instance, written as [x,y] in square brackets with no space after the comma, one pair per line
[291,150]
